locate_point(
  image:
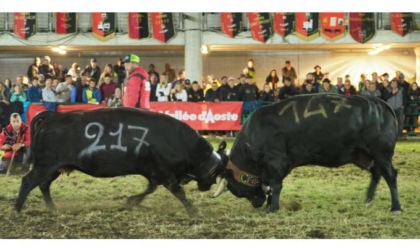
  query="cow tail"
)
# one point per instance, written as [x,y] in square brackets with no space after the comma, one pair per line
[35,124]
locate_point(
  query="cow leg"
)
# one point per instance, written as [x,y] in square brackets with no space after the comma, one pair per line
[376,175]
[29,182]
[179,193]
[276,176]
[137,199]
[389,173]
[45,189]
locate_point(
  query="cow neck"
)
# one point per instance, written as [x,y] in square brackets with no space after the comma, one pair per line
[244,177]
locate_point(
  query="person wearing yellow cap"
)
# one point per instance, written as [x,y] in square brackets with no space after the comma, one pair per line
[137,89]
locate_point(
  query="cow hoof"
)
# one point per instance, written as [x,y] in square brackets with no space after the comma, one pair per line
[398,212]
[273,210]
[368,204]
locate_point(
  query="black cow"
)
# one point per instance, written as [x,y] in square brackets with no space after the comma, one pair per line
[326,130]
[110,142]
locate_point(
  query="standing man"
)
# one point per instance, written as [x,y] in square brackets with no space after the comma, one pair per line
[93,70]
[137,89]
[289,71]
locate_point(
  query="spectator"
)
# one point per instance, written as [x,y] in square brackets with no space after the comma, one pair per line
[223,84]
[120,70]
[289,71]
[137,91]
[33,69]
[340,85]
[49,98]
[327,87]
[60,71]
[178,93]
[8,83]
[308,88]
[405,85]
[46,68]
[318,75]
[108,70]
[251,70]
[375,78]
[272,79]
[372,90]
[18,95]
[288,90]
[14,141]
[163,89]
[249,94]
[5,108]
[153,86]
[92,94]
[362,83]
[310,78]
[170,73]
[231,92]
[20,82]
[267,94]
[151,71]
[65,91]
[394,97]
[412,108]
[107,88]
[115,99]
[74,71]
[196,93]
[347,89]
[213,94]
[242,81]
[93,70]
[35,91]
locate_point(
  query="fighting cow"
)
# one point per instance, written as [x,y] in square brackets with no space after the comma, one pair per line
[325,130]
[110,142]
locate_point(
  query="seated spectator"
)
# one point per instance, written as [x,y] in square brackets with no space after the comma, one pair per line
[372,90]
[49,98]
[288,90]
[74,71]
[347,89]
[35,91]
[14,141]
[115,99]
[92,94]
[163,89]
[308,88]
[213,94]
[65,91]
[231,92]
[327,87]
[107,88]
[196,93]
[178,93]
[267,94]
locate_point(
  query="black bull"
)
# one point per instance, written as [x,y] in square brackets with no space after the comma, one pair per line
[326,130]
[112,142]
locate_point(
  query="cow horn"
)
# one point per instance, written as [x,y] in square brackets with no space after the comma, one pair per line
[220,188]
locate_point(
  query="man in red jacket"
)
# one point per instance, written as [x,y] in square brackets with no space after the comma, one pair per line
[137,88]
[14,141]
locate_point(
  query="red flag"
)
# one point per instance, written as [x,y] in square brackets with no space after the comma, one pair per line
[260,26]
[103,25]
[231,23]
[332,25]
[362,26]
[163,26]
[138,25]
[284,23]
[401,23]
[65,22]
[307,25]
[25,24]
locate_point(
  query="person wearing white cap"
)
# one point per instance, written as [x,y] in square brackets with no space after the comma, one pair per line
[137,89]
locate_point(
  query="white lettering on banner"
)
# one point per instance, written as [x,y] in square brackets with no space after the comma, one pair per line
[206,116]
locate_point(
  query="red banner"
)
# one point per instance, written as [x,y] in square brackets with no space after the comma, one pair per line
[362,26]
[284,23]
[260,26]
[307,25]
[401,23]
[25,24]
[138,25]
[103,25]
[163,26]
[65,23]
[231,23]
[332,25]
[203,115]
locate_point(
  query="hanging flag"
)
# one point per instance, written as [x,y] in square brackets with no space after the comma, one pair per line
[103,25]
[25,24]
[138,25]
[401,23]
[332,25]
[362,26]
[231,23]
[260,26]
[307,25]
[65,22]
[163,26]
[284,23]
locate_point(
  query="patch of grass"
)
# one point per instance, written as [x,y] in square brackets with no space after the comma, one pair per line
[316,203]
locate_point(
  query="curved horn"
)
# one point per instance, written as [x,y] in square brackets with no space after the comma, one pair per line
[220,188]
